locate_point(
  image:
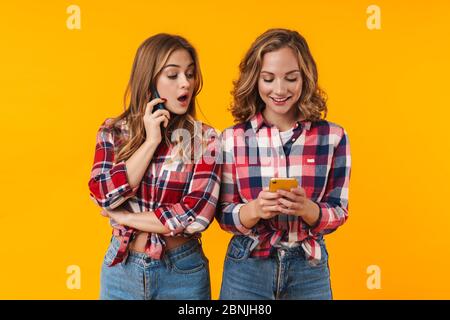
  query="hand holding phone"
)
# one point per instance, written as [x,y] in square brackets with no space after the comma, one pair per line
[156,117]
[159,106]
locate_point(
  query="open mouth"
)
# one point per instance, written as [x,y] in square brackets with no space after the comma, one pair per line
[183,98]
[280,100]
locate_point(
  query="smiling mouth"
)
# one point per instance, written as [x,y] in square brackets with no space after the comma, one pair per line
[279,100]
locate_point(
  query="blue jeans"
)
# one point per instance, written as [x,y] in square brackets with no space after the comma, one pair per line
[182,273]
[286,275]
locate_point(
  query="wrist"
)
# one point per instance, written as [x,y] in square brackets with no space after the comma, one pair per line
[254,210]
[150,144]
[247,216]
[122,218]
[311,214]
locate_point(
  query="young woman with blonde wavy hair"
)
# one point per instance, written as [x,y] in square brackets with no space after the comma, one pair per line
[278,249]
[159,191]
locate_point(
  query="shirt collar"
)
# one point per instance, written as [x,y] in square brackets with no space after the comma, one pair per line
[258,121]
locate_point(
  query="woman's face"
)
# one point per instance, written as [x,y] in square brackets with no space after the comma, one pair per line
[176,81]
[280,81]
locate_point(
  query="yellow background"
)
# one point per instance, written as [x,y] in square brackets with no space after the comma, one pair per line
[387,87]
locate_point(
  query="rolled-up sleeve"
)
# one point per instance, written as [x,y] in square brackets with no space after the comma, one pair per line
[109,185]
[195,211]
[334,204]
[230,201]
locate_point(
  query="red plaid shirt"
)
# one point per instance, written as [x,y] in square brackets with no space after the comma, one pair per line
[318,156]
[183,194]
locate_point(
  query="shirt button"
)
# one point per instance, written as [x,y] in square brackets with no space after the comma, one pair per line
[293,139]
[190,219]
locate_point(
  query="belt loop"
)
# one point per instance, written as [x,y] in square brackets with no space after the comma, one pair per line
[127,237]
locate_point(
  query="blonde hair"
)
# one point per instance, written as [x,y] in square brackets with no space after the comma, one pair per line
[246,100]
[150,58]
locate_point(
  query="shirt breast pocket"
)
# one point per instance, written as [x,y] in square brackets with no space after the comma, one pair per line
[314,174]
[173,185]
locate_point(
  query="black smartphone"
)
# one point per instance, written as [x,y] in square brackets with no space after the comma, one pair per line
[159,106]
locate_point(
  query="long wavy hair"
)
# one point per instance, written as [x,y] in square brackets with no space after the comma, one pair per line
[246,99]
[150,58]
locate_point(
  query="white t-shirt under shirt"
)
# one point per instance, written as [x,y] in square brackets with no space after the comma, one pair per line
[285,137]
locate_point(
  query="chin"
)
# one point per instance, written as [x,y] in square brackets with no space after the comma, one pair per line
[281,109]
[178,111]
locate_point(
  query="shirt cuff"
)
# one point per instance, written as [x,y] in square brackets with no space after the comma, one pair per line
[315,228]
[175,218]
[119,177]
[237,220]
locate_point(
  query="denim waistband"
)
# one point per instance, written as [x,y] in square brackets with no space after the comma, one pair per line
[169,255]
[294,251]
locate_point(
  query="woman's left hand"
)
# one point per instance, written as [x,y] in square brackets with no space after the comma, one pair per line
[293,202]
[119,216]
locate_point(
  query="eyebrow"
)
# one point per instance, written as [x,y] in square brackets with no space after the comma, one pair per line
[286,72]
[177,66]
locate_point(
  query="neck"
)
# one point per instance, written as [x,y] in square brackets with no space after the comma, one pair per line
[283,122]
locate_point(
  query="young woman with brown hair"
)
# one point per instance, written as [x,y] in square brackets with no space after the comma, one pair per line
[156,176]
[278,250]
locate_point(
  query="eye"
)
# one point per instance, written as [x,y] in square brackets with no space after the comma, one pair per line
[190,75]
[267,80]
[172,76]
[291,79]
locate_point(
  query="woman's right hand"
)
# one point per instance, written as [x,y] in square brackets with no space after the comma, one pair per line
[152,121]
[267,204]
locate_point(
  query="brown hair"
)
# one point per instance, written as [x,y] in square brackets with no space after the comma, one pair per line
[246,100]
[150,58]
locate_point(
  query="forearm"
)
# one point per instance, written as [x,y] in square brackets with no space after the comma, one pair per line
[311,213]
[137,164]
[145,221]
[248,216]
[332,216]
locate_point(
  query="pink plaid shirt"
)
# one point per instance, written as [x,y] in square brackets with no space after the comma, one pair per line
[183,194]
[318,156]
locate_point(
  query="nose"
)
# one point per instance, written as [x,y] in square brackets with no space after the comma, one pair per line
[279,89]
[184,82]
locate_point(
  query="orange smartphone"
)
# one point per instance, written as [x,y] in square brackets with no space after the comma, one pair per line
[283,184]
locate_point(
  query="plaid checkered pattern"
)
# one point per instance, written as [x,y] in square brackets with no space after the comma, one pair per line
[183,194]
[318,156]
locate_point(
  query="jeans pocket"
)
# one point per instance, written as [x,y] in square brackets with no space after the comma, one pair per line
[324,257]
[193,262]
[239,248]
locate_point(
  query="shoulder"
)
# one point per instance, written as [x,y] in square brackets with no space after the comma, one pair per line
[327,127]
[237,129]
[234,136]
[334,132]
[111,129]
[208,130]
[208,135]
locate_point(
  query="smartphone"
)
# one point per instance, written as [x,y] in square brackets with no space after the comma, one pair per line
[282,184]
[159,106]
